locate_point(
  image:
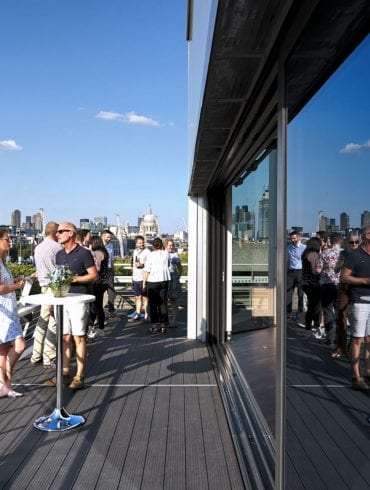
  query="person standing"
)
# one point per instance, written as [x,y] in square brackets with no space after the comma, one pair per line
[44,341]
[138,263]
[329,281]
[81,262]
[107,237]
[157,277]
[356,273]
[311,283]
[12,343]
[353,242]
[294,273]
[174,288]
[99,287]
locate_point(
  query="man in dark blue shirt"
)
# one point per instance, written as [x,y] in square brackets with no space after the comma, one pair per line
[81,262]
[356,273]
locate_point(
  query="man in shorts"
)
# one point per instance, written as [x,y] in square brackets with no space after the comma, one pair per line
[139,258]
[81,262]
[356,273]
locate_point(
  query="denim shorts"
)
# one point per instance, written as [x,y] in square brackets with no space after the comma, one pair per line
[137,286]
[360,319]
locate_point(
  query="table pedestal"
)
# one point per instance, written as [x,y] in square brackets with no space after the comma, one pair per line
[59,420]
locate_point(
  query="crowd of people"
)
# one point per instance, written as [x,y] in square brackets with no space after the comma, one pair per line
[156,282]
[332,276]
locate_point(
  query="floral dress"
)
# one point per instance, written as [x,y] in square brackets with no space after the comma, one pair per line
[10,325]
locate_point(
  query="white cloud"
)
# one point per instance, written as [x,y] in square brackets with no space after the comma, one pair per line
[9,145]
[109,116]
[129,117]
[355,148]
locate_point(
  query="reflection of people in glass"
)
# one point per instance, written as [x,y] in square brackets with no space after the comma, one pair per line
[329,281]
[356,273]
[353,242]
[294,274]
[174,289]
[12,343]
[311,282]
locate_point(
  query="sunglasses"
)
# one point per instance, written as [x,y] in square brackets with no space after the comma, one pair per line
[61,231]
[354,241]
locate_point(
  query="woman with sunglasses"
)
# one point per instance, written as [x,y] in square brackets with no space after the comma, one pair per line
[12,343]
[341,349]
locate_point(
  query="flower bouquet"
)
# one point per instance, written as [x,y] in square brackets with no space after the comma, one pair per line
[60,280]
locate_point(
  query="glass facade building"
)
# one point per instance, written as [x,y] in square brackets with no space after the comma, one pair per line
[273,138]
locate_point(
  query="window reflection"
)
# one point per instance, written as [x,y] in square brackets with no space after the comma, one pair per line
[251,298]
[328,174]
[253,290]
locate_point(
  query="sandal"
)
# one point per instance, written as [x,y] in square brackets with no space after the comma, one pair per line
[337,354]
[14,394]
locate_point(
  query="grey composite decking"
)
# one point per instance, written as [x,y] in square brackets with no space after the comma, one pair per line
[155,420]
[327,428]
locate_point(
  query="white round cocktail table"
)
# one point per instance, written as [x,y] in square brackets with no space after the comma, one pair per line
[59,419]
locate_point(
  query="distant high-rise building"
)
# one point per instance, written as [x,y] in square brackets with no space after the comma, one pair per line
[28,219]
[15,219]
[243,223]
[365,219]
[37,220]
[85,224]
[263,216]
[323,222]
[101,222]
[344,222]
[332,226]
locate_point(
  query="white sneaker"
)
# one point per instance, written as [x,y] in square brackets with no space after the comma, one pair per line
[319,333]
[94,332]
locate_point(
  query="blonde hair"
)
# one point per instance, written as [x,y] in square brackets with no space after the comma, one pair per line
[51,228]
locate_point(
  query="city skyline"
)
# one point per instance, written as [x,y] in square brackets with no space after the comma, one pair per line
[94,109]
[329,147]
[20,220]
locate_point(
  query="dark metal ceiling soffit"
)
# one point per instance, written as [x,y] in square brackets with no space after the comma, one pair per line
[238,120]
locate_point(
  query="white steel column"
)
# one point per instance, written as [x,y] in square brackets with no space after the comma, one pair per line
[197,269]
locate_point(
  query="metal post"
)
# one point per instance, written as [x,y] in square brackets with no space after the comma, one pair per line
[59,326]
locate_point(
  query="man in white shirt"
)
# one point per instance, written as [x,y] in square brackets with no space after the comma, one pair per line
[139,258]
[44,342]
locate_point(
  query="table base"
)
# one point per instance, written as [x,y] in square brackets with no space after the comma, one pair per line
[58,421]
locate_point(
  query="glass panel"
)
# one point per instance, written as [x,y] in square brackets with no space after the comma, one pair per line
[251,301]
[253,289]
[328,181]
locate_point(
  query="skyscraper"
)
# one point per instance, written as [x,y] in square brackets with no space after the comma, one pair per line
[263,216]
[37,221]
[344,221]
[365,219]
[15,219]
[243,223]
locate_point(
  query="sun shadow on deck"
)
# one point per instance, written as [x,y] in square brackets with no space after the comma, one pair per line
[154,419]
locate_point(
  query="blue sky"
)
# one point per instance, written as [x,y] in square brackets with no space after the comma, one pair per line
[329,148]
[93,111]
[328,151]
